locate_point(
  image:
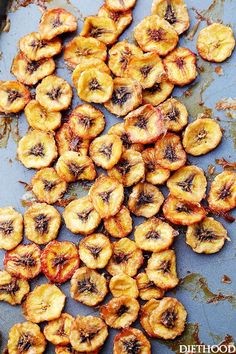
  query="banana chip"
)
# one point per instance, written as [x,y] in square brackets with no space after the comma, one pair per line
[155,174]
[119,129]
[146,311]
[57,331]
[131,340]
[158,93]
[13,96]
[175,115]
[68,349]
[11,228]
[67,140]
[147,288]
[102,28]
[123,284]
[120,225]
[12,290]
[222,195]
[121,19]
[117,5]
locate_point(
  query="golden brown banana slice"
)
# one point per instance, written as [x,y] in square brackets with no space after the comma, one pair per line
[127,258]
[88,334]
[180,212]
[95,251]
[144,125]
[88,286]
[202,136]
[68,349]
[13,96]
[216,42]
[161,269]
[11,228]
[155,174]
[55,22]
[26,337]
[157,93]
[37,149]
[47,186]
[12,290]
[121,19]
[39,118]
[123,284]
[180,66]
[57,331]
[155,34]
[147,288]
[106,150]
[120,225]
[175,115]
[102,28]
[120,312]
[169,152]
[222,195]
[119,129]
[131,340]
[81,217]
[145,200]
[173,11]
[44,303]
[54,93]
[30,72]
[146,311]
[67,140]
[107,196]
[120,5]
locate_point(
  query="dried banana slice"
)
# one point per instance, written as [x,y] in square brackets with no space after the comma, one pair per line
[44,303]
[207,236]
[54,93]
[127,258]
[123,284]
[173,11]
[180,66]
[145,200]
[68,349]
[155,174]
[131,340]
[47,186]
[12,290]
[95,251]
[42,223]
[11,228]
[29,72]
[121,19]
[161,269]
[216,42]
[13,96]
[102,28]
[106,150]
[158,93]
[222,195]
[67,140]
[40,118]
[24,261]
[146,311]
[119,5]
[120,225]
[154,235]
[144,125]
[88,333]
[155,34]
[88,287]
[202,136]
[175,114]
[169,152]
[57,331]
[55,22]
[147,288]
[119,129]
[107,196]
[120,312]
[181,212]
[81,217]
[37,149]
[26,337]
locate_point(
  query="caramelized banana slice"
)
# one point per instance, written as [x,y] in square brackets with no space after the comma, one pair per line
[26,337]
[188,183]
[161,269]
[81,217]
[155,34]
[119,5]
[39,118]
[120,312]
[146,311]
[55,22]
[120,225]
[222,195]
[119,129]
[95,251]
[169,152]
[175,114]
[155,174]
[11,228]
[37,149]
[30,72]
[102,28]
[88,333]
[67,140]
[13,96]
[144,125]
[86,64]
[147,289]
[202,136]
[121,19]
[42,223]
[173,11]
[145,200]
[181,212]
[12,290]
[180,66]
[81,47]
[24,261]
[88,287]
[158,93]
[127,258]
[215,42]
[44,303]
[154,235]
[68,349]
[123,284]
[57,331]
[47,186]
[131,340]
[54,93]
[107,196]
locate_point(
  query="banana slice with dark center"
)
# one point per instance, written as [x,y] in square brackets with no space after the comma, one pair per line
[121,19]
[119,129]
[12,290]
[67,140]
[102,28]
[147,288]
[68,349]
[131,340]
[13,96]
[123,284]
[57,331]
[154,173]
[11,228]
[158,93]
[222,195]
[175,114]
[120,5]
[120,225]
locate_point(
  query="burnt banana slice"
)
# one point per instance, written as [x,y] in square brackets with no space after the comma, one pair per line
[175,115]
[120,225]
[119,129]
[131,340]
[154,173]
[122,19]
[12,290]
[13,96]
[119,5]
[147,288]
[123,284]
[67,140]
[11,228]
[146,311]
[57,331]
[222,195]
[158,93]
[102,28]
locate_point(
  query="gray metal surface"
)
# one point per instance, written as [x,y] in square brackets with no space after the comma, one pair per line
[202,274]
